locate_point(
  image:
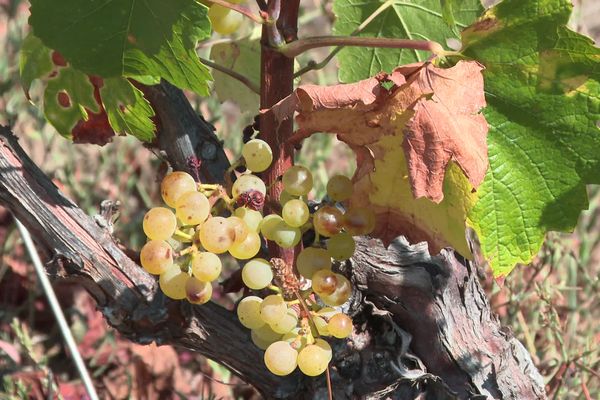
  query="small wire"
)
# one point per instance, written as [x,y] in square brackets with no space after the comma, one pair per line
[57,311]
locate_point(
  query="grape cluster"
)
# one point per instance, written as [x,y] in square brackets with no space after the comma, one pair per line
[292,307]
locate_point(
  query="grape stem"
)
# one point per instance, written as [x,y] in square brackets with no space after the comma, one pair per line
[187,250]
[274,288]
[241,78]
[183,235]
[245,11]
[299,46]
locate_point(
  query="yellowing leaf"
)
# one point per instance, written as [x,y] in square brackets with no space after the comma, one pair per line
[420,141]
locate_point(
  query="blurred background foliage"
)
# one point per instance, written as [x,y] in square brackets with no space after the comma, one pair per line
[552,305]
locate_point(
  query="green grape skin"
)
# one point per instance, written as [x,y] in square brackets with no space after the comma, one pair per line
[264,336]
[286,236]
[340,326]
[314,359]
[359,221]
[206,266]
[297,180]
[159,223]
[216,235]
[327,221]
[312,259]
[341,246]
[287,323]
[172,282]
[339,188]
[272,309]
[197,292]
[174,185]
[248,312]
[258,155]
[284,197]
[268,225]
[252,218]
[325,282]
[240,229]
[295,213]
[340,295]
[192,208]
[246,249]
[321,325]
[257,274]
[224,23]
[156,256]
[280,358]
[246,183]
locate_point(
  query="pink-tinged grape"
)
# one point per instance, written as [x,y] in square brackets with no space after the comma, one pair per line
[197,292]
[312,259]
[258,155]
[340,295]
[268,225]
[224,23]
[273,308]
[340,326]
[240,229]
[314,358]
[252,218]
[216,235]
[295,213]
[246,249]
[327,221]
[159,223]
[192,208]
[248,312]
[281,358]
[324,282]
[339,188]
[174,185]
[156,256]
[341,246]
[287,323]
[246,183]
[206,266]
[297,180]
[286,236]
[257,274]
[359,221]
[172,282]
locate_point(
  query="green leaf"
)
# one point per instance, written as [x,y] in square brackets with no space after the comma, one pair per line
[80,91]
[542,85]
[408,19]
[113,38]
[243,57]
[35,61]
[127,109]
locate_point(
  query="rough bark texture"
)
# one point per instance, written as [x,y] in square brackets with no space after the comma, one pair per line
[457,350]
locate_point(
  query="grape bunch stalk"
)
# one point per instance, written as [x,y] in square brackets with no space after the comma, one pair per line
[291,308]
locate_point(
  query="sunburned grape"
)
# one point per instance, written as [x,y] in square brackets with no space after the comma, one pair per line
[156,256]
[174,185]
[197,292]
[327,221]
[159,223]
